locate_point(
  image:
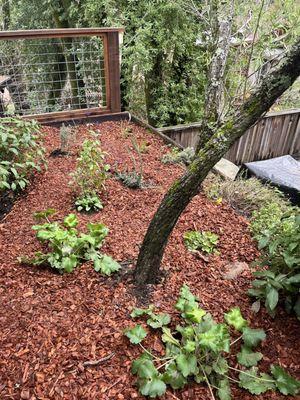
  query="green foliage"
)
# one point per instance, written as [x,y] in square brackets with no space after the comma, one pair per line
[89,176]
[278,236]
[88,202]
[199,349]
[176,156]
[136,334]
[285,383]
[21,152]
[244,195]
[131,179]
[69,248]
[234,318]
[205,241]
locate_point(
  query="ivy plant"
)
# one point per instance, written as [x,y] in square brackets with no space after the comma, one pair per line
[199,349]
[205,241]
[70,248]
[21,152]
[279,241]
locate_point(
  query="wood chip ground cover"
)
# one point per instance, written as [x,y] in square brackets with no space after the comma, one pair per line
[61,336]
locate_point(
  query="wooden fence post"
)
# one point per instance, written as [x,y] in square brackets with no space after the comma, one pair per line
[113,71]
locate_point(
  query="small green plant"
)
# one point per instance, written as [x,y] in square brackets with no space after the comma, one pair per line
[21,152]
[205,241]
[133,179]
[89,176]
[278,236]
[199,349]
[176,155]
[69,248]
[89,202]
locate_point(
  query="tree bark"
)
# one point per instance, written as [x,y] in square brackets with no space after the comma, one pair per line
[186,187]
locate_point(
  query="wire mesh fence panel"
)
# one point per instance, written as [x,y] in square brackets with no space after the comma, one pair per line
[52,74]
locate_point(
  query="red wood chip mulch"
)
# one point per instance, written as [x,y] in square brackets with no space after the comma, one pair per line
[54,328]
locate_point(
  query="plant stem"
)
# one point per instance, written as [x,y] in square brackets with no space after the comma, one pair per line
[236,340]
[252,376]
[208,384]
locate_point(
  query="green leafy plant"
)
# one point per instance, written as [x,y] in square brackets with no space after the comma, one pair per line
[278,237]
[176,156]
[198,349]
[205,241]
[21,152]
[89,202]
[68,247]
[89,176]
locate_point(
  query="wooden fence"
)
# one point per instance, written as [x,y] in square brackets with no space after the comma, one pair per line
[274,135]
[108,100]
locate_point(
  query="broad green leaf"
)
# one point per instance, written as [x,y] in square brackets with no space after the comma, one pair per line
[220,366]
[138,312]
[106,265]
[234,318]
[252,337]
[70,221]
[247,358]
[143,366]
[158,320]
[216,339]
[152,387]
[187,364]
[271,298]
[250,380]
[136,334]
[224,389]
[187,332]
[186,298]
[69,263]
[285,383]
[173,377]
[195,314]
[190,346]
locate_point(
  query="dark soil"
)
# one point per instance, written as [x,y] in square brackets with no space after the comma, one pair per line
[62,336]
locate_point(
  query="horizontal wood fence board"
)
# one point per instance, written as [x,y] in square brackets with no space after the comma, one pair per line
[51,33]
[274,135]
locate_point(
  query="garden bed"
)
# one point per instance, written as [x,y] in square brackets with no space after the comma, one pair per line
[52,327]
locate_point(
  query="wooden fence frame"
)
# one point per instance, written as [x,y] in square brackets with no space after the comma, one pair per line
[110,37]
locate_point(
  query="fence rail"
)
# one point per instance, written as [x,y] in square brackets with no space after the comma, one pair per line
[53,74]
[274,135]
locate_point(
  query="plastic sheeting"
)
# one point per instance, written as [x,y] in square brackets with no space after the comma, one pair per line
[283,172]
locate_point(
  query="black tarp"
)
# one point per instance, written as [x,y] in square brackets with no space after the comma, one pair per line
[283,172]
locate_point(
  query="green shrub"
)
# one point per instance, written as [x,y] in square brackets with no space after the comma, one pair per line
[69,248]
[244,195]
[199,349]
[177,155]
[21,152]
[278,236]
[89,176]
[205,241]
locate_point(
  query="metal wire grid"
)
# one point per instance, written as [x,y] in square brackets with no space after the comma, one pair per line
[53,74]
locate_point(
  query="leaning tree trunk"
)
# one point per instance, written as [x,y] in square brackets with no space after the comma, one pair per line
[185,188]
